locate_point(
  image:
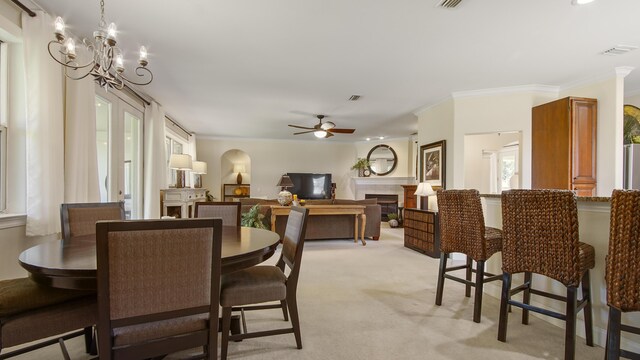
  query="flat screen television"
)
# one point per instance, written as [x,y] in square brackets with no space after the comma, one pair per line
[311,186]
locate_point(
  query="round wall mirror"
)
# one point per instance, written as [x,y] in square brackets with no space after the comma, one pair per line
[382,159]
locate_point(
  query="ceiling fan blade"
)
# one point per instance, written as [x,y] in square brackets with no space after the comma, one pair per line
[341,131]
[302,127]
[304,132]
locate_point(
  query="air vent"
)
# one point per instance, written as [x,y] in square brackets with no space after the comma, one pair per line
[449,4]
[619,50]
[354,98]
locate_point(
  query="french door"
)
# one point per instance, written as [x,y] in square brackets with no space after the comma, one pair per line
[119,136]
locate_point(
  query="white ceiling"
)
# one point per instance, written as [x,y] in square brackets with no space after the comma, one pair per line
[247,68]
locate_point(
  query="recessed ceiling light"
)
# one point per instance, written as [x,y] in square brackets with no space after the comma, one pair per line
[580,2]
[381,137]
[368,139]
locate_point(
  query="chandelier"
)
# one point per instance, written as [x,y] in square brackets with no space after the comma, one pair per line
[107,65]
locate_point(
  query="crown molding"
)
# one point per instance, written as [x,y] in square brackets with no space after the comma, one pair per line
[424,108]
[624,70]
[552,90]
[607,75]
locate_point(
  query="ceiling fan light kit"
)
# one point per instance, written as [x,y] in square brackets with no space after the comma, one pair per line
[322,130]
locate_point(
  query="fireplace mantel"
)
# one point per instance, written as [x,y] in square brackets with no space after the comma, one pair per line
[381,185]
[384,180]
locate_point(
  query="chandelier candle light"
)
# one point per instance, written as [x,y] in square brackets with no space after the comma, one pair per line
[107,65]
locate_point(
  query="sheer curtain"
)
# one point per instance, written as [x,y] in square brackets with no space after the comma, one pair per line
[155,162]
[44,128]
[81,164]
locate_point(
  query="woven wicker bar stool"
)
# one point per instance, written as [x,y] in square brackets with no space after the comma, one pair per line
[623,268]
[540,235]
[462,230]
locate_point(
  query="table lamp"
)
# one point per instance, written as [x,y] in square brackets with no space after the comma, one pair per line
[180,162]
[424,190]
[199,168]
[238,168]
[285,197]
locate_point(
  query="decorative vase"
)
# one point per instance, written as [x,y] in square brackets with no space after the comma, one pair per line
[393,223]
[239,179]
[285,198]
[361,172]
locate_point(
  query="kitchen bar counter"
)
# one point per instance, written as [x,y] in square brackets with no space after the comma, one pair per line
[580,198]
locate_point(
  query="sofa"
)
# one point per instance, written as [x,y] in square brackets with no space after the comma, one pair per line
[323,226]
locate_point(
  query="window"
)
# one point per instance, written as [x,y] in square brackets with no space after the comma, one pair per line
[176,142]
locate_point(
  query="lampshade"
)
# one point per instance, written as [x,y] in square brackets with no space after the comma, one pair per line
[285,181]
[180,161]
[424,189]
[199,167]
[238,168]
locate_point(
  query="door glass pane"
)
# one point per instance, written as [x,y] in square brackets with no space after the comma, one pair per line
[132,166]
[103,116]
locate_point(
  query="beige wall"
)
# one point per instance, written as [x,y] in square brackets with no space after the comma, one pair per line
[272,158]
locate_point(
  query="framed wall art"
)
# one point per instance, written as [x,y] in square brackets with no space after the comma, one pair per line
[433,164]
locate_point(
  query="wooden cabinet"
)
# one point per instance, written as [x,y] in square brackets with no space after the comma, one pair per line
[409,198]
[422,232]
[180,202]
[234,192]
[563,149]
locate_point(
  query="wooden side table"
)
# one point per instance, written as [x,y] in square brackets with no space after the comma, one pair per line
[422,232]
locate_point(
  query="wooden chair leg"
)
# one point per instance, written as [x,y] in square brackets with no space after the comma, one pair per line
[88,339]
[226,327]
[292,302]
[284,310]
[588,312]
[504,314]
[467,287]
[477,301]
[440,287]
[526,296]
[613,334]
[570,331]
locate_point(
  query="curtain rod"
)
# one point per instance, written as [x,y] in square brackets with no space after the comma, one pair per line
[24,8]
[137,94]
[178,125]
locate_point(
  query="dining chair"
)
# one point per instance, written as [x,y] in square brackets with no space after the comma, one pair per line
[540,235]
[32,312]
[622,273]
[178,261]
[228,211]
[79,219]
[261,284]
[462,230]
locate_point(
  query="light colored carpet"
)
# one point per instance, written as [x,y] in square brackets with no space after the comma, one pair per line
[377,302]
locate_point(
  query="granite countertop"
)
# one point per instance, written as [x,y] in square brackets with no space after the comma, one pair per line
[580,198]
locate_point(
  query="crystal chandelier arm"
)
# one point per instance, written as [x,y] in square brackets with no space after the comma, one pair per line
[140,70]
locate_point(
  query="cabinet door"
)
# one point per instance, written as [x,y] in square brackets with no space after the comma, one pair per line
[584,189]
[550,145]
[583,139]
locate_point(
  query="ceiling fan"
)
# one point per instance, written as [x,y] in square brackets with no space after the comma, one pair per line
[322,130]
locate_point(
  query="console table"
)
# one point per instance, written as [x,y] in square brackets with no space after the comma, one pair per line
[314,210]
[180,202]
[422,232]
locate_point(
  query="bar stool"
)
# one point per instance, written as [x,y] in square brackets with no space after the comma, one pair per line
[540,235]
[623,268]
[462,230]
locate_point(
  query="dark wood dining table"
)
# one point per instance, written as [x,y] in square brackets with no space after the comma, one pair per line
[72,264]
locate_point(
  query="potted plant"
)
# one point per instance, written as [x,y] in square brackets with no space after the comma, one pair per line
[392,219]
[360,165]
[253,218]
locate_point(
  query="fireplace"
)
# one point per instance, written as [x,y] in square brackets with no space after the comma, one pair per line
[388,203]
